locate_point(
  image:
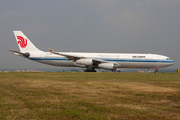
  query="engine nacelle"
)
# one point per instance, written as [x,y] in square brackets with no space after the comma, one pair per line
[108,66]
[87,62]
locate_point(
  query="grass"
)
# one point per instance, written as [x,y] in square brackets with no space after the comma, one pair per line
[89,96]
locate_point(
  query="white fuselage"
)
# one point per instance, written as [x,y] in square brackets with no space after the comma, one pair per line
[91,61]
[149,61]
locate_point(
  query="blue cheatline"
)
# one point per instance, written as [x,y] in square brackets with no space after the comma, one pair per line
[111,60]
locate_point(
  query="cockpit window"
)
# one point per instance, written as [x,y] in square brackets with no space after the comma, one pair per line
[167,58]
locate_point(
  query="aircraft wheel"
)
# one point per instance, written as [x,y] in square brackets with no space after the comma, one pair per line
[93,70]
[89,70]
[156,70]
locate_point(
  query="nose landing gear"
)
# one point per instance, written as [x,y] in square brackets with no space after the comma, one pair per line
[156,70]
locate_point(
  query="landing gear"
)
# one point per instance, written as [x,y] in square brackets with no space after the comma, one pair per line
[119,71]
[90,70]
[156,70]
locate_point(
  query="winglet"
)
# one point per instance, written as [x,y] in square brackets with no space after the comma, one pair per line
[51,51]
[69,56]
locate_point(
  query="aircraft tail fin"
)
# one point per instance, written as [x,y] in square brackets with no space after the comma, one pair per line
[24,43]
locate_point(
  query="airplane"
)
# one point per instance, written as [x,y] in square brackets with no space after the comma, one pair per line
[90,61]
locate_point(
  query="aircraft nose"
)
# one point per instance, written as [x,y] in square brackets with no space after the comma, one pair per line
[169,63]
[172,62]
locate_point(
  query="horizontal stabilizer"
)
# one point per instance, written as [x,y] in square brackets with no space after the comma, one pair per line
[20,53]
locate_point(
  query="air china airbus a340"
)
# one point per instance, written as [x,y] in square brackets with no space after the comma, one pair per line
[90,61]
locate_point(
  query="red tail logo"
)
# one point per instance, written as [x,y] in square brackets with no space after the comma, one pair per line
[22,41]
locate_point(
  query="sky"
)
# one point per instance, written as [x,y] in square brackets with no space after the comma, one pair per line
[118,26]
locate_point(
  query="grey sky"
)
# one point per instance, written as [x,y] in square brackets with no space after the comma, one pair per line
[121,26]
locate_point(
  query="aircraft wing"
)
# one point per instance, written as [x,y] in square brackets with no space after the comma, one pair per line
[75,57]
[69,56]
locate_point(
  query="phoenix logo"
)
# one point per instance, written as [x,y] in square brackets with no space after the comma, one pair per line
[22,41]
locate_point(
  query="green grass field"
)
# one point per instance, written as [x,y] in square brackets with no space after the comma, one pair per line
[93,96]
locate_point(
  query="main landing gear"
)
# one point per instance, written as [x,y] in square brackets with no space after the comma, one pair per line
[90,70]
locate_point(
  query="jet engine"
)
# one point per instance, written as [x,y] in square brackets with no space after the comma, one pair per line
[107,66]
[87,62]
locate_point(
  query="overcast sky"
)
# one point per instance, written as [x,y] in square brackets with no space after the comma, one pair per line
[120,26]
